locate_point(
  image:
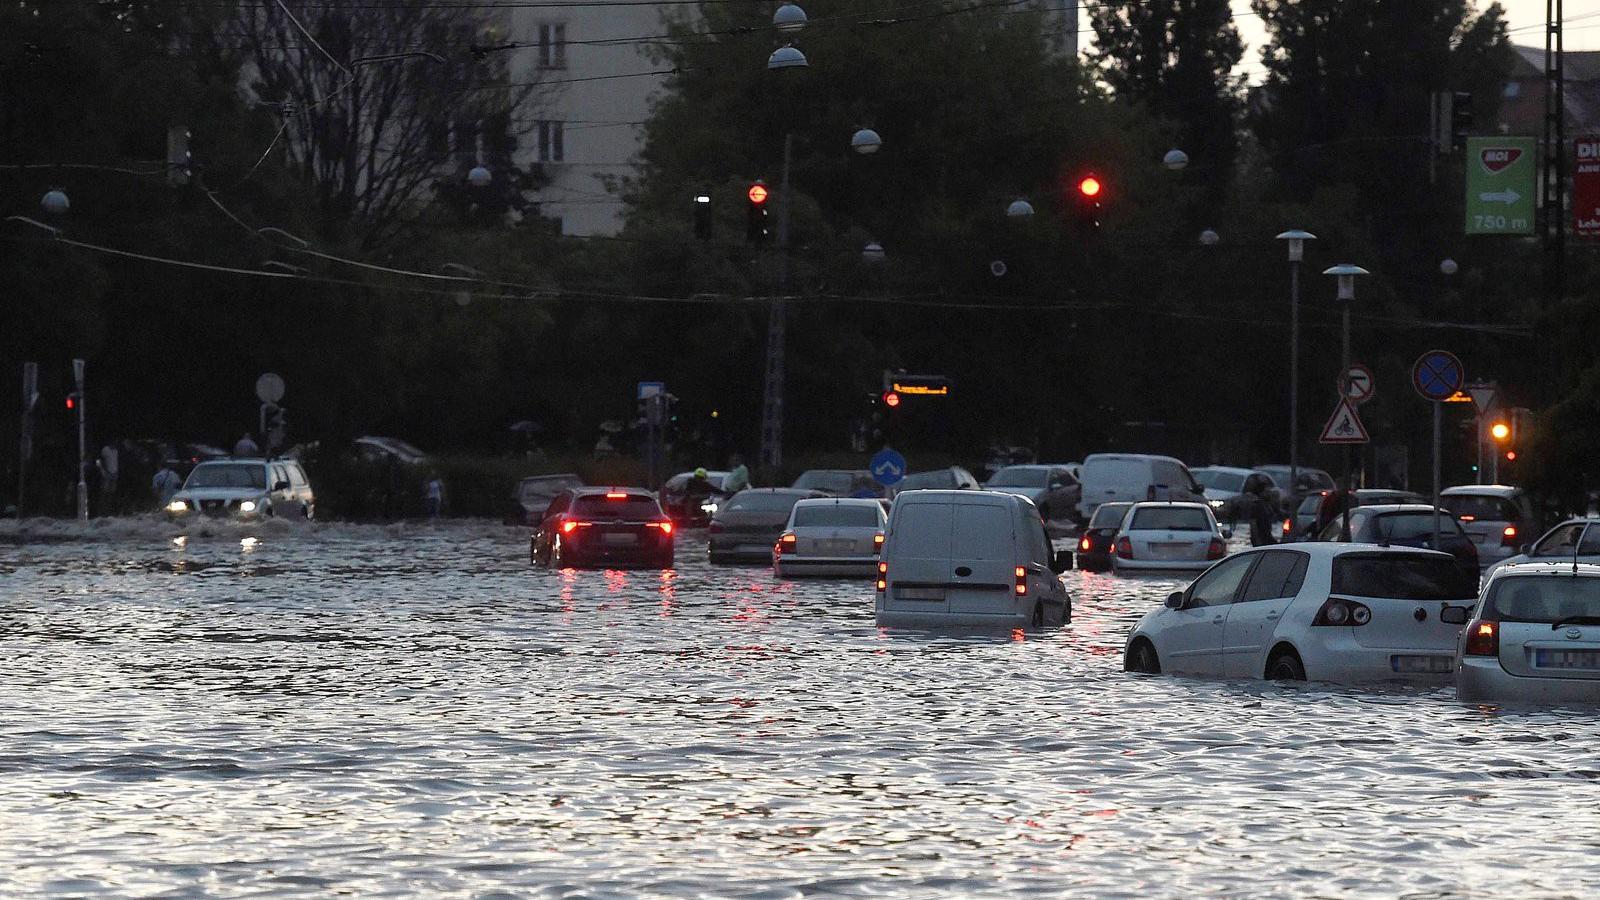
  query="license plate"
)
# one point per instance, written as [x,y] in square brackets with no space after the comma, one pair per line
[836,546]
[919,593]
[620,539]
[1171,551]
[755,548]
[1567,659]
[1433,665]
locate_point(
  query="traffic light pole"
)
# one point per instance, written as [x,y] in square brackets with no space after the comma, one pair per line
[772,389]
[83,444]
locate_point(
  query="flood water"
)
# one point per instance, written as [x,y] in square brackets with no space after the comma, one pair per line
[413,710]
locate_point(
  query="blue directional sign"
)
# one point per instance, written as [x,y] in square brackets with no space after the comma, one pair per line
[1438,375]
[887,467]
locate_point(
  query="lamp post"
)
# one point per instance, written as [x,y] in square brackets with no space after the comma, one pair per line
[1297,250]
[788,18]
[1346,274]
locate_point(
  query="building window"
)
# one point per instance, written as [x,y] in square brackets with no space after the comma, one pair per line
[552,45]
[552,142]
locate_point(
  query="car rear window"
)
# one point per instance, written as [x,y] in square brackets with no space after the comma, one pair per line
[1543,598]
[634,506]
[1223,481]
[1015,476]
[1401,576]
[923,481]
[753,501]
[1477,506]
[833,482]
[852,515]
[1175,518]
[228,475]
[1107,515]
[1413,526]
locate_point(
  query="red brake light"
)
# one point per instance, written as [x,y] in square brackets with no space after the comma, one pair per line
[570,524]
[1508,537]
[1483,639]
[616,495]
[1022,581]
[666,527]
[1216,550]
[1084,545]
[1469,518]
[789,538]
[1288,526]
[1124,548]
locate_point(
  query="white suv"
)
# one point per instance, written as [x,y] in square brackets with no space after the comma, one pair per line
[245,489]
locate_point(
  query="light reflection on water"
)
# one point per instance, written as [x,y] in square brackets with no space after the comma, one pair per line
[412,709]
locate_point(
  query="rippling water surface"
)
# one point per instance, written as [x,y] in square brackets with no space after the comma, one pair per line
[413,710]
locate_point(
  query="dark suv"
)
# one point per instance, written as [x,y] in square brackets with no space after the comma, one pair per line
[1410,525]
[603,528]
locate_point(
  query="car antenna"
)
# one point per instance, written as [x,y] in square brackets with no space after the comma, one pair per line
[1575,547]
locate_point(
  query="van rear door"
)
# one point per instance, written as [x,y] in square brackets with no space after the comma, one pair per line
[917,552]
[983,558]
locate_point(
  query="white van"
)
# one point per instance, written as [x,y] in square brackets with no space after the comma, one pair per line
[1134,477]
[969,558]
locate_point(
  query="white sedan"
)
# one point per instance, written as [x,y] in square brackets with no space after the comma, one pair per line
[1323,612]
[834,536]
[1167,537]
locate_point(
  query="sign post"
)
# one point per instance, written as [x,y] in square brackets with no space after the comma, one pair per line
[1483,394]
[1501,185]
[30,399]
[1437,375]
[1586,186]
[83,444]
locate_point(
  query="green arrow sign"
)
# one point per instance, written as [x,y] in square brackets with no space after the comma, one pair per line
[1500,185]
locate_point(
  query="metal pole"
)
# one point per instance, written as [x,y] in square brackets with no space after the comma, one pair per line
[30,398]
[1495,466]
[1294,377]
[83,444]
[772,392]
[1438,416]
[1344,518]
[1478,420]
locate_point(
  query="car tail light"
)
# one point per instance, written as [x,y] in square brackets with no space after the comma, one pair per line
[1337,612]
[666,527]
[877,542]
[1288,527]
[1508,537]
[1483,639]
[715,527]
[1084,545]
[883,576]
[616,495]
[1216,550]
[1124,548]
[571,525]
[787,542]
[1022,580]
[1469,518]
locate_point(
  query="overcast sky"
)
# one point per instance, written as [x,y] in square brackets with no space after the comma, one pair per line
[1526,18]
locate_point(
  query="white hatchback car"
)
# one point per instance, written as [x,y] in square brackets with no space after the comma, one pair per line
[1168,536]
[836,536]
[1324,612]
[1535,635]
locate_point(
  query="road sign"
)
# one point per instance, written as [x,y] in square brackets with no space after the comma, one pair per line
[1438,375]
[648,389]
[1356,385]
[1500,185]
[1483,396]
[1586,186]
[269,388]
[887,467]
[1344,426]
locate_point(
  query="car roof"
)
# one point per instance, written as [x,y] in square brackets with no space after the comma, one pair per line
[1103,456]
[1329,549]
[788,491]
[1485,490]
[593,491]
[976,498]
[258,460]
[1182,504]
[840,471]
[841,501]
[564,475]
[1554,567]
[1231,470]
[1403,507]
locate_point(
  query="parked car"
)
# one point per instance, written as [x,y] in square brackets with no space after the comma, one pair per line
[835,536]
[373,448]
[1099,537]
[1323,612]
[1051,489]
[243,488]
[1410,525]
[950,478]
[839,483]
[1498,518]
[533,494]
[1131,477]
[1310,480]
[1534,636]
[596,527]
[969,558]
[672,499]
[1321,507]
[1222,486]
[746,527]
[1167,537]
[1575,540]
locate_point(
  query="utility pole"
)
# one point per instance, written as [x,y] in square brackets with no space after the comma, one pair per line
[30,399]
[1555,174]
[772,390]
[83,444]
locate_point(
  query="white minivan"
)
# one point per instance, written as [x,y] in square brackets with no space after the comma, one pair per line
[1132,477]
[969,558]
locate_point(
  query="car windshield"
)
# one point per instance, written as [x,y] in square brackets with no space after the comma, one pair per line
[1224,481]
[628,506]
[921,481]
[854,515]
[760,501]
[228,475]
[1016,476]
[1401,576]
[1479,506]
[1107,515]
[1543,598]
[832,482]
[1169,518]
[1413,526]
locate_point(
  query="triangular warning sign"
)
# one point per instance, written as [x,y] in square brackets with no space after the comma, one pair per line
[1344,426]
[1483,397]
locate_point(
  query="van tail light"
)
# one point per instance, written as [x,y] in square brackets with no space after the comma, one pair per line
[1124,548]
[883,577]
[877,542]
[1085,545]
[666,527]
[1508,537]
[714,528]
[1022,580]
[1483,639]
[1336,612]
[1216,550]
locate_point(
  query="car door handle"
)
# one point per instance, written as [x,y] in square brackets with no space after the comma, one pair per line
[962,571]
[1217,620]
[1272,616]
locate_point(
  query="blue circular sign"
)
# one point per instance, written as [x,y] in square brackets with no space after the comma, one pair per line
[887,467]
[1438,375]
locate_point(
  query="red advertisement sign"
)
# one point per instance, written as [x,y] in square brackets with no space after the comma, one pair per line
[1586,186]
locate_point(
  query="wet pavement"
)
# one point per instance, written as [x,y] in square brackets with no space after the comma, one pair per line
[412,709]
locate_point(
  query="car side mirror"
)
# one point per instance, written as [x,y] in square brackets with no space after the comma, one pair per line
[1525,549]
[1061,561]
[1175,600]
[1227,534]
[1454,615]
[281,486]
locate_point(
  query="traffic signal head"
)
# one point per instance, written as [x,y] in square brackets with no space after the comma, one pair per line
[1461,117]
[891,399]
[1089,200]
[702,217]
[1089,186]
[758,194]
[72,401]
[756,231]
[1500,431]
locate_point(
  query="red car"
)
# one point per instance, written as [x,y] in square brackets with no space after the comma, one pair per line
[603,528]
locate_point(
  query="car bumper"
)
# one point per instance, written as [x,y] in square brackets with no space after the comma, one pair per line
[1339,658]
[792,566]
[1160,565]
[1093,559]
[1483,679]
[616,557]
[752,549]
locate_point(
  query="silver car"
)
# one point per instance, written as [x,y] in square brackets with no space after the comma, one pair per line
[837,536]
[746,527]
[245,489]
[1498,518]
[1533,636]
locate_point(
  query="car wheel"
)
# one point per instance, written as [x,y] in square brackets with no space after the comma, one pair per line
[305,511]
[1142,658]
[1285,665]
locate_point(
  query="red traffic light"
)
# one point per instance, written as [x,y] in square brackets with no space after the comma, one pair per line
[891,399]
[1089,186]
[758,193]
[72,402]
[1511,456]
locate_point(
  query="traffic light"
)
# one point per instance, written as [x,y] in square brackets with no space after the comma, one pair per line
[702,217]
[756,231]
[1500,431]
[1090,198]
[891,399]
[180,162]
[1461,118]
[72,401]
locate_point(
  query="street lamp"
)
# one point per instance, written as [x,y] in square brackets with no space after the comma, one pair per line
[787,57]
[1296,239]
[1346,275]
[1176,160]
[1019,209]
[789,18]
[479,177]
[866,142]
[55,202]
[1209,238]
[1448,266]
[872,254]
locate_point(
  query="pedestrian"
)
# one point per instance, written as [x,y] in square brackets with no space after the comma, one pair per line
[738,479]
[1263,511]
[433,495]
[165,483]
[246,446]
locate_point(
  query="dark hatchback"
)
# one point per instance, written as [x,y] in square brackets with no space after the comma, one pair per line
[1098,537]
[1411,525]
[532,496]
[603,528]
